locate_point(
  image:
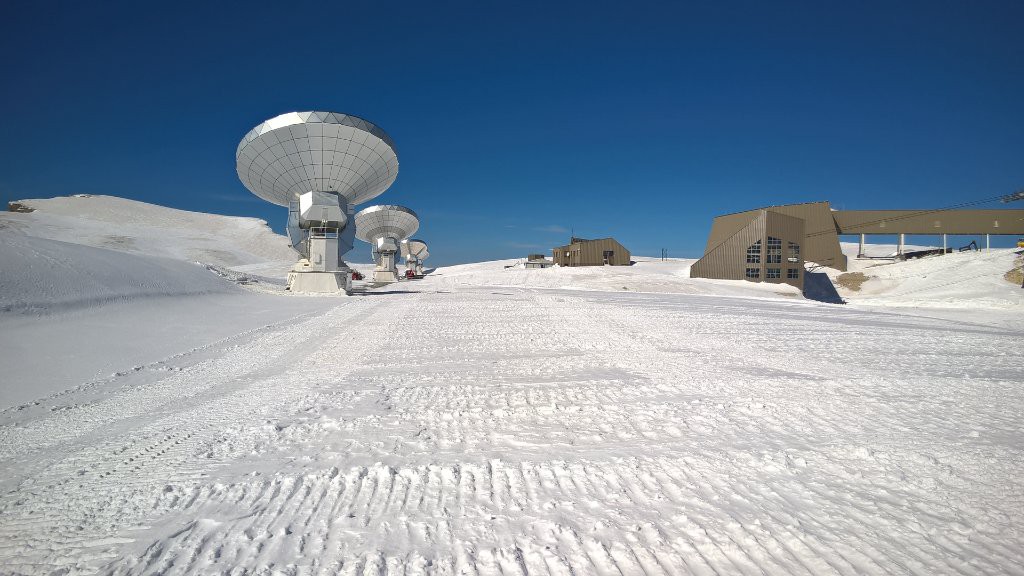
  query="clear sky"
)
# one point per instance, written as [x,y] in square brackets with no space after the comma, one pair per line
[516,122]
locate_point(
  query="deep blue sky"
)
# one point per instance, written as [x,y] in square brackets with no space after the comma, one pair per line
[515,122]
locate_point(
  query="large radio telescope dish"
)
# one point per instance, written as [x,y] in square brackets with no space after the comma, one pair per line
[299,152]
[386,221]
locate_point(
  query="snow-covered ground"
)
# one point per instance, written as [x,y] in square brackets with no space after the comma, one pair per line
[647,275]
[492,420]
[964,285]
[972,279]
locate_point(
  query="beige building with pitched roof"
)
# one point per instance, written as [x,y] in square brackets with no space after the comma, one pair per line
[771,244]
[600,252]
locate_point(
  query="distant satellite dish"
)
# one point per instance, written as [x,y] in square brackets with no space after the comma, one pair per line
[415,252]
[320,165]
[413,248]
[384,228]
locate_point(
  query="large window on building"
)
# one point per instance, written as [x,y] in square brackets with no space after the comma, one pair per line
[754,253]
[773,253]
[773,272]
[793,273]
[753,272]
[794,252]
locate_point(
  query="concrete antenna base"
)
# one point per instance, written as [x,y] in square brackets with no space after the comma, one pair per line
[384,276]
[303,278]
[386,270]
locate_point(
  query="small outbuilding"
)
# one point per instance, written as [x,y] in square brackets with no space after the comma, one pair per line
[538,261]
[600,252]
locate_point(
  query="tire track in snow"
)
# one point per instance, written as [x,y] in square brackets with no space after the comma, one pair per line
[153,447]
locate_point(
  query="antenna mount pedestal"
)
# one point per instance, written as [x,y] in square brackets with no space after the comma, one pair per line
[387,268]
[319,228]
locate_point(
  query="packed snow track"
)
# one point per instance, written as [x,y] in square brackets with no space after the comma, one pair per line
[471,430]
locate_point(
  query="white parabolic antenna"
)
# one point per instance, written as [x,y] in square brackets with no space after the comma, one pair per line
[320,165]
[299,152]
[415,249]
[384,227]
[415,252]
[386,221]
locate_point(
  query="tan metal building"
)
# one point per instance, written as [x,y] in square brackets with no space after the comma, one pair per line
[600,252]
[732,252]
[769,247]
[537,261]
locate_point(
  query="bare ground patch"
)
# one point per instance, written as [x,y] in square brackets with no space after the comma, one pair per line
[19,207]
[1015,275]
[852,280]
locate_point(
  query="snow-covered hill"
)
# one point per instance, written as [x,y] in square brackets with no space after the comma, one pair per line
[141,228]
[90,285]
[959,280]
[42,276]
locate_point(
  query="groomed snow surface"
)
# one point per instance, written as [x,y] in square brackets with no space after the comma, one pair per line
[492,420]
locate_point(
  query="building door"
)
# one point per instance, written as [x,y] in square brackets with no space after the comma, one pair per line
[609,256]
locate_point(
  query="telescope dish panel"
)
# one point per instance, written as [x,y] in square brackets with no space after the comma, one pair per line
[386,221]
[301,152]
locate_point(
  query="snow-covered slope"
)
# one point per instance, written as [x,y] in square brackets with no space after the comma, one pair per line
[46,276]
[960,280]
[93,285]
[138,227]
